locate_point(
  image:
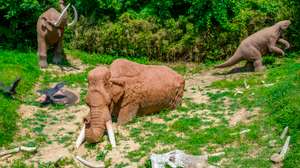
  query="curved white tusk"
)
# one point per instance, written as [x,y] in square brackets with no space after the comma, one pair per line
[110,132]
[61,16]
[81,137]
[75,17]
[89,164]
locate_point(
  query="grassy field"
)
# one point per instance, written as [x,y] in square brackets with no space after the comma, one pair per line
[14,64]
[195,127]
[280,101]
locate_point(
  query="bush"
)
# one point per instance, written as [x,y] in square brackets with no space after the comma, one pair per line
[18,25]
[192,30]
[181,30]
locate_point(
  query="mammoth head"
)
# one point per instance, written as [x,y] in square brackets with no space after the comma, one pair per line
[49,24]
[284,24]
[102,92]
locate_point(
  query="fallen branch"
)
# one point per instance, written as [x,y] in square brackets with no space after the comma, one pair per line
[279,157]
[246,85]
[285,146]
[17,149]
[238,92]
[11,151]
[268,85]
[240,133]
[216,154]
[284,132]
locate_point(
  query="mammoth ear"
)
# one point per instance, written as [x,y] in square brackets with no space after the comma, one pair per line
[117,81]
[44,24]
[117,89]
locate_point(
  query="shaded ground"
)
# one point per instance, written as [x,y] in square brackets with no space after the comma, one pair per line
[207,122]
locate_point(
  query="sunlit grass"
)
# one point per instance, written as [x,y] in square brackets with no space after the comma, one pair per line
[15,64]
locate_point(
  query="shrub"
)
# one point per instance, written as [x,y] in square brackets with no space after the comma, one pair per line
[18,25]
[192,30]
[181,30]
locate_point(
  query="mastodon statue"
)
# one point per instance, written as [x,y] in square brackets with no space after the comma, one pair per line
[50,30]
[126,90]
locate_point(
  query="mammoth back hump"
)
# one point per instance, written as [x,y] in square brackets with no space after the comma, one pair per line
[162,88]
[125,68]
[161,78]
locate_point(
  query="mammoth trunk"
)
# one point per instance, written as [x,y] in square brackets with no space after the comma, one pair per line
[95,123]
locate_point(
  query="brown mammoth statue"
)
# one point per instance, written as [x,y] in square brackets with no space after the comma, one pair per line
[50,30]
[126,90]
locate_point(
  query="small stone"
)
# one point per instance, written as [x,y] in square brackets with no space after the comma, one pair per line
[276,158]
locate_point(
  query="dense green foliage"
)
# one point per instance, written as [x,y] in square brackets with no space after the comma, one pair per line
[171,30]
[18,22]
[167,30]
[13,65]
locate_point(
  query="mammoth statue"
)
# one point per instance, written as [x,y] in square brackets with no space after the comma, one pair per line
[126,90]
[50,31]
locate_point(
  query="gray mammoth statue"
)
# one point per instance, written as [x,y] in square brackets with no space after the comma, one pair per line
[50,30]
[126,90]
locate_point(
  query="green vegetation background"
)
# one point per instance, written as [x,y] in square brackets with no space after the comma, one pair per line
[194,30]
[169,30]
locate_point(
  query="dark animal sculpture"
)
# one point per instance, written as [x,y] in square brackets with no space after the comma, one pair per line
[48,94]
[126,90]
[10,90]
[57,95]
[50,30]
[258,44]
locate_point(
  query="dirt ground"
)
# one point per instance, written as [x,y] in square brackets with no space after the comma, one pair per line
[60,127]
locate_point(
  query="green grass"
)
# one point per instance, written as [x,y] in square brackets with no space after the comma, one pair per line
[280,101]
[186,129]
[15,64]
[96,59]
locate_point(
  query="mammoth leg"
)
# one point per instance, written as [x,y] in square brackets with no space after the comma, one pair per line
[248,66]
[284,42]
[255,56]
[258,65]
[127,113]
[42,52]
[58,53]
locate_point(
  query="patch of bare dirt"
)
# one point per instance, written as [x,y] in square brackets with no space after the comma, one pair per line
[70,121]
[195,86]
[61,129]
[27,111]
[118,155]
[51,153]
[242,116]
[76,67]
